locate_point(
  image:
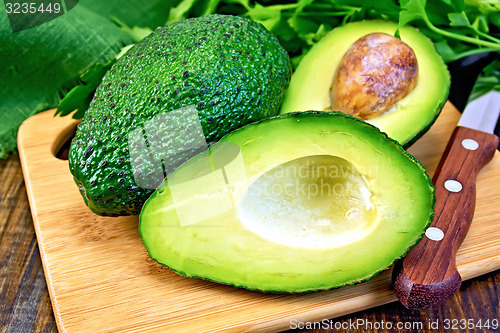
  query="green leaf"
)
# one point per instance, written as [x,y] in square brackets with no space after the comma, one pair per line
[459,20]
[481,24]
[269,18]
[137,33]
[488,80]
[412,10]
[133,13]
[458,5]
[314,37]
[494,19]
[210,7]
[437,12]
[484,6]
[79,97]
[387,9]
[180,11]
[445,51]
[124,50]
[244,3]
[301,25]
[301,4]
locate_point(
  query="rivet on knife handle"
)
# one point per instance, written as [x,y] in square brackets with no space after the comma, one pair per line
[428,274]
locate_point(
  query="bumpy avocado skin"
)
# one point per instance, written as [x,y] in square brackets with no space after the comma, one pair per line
[230,68]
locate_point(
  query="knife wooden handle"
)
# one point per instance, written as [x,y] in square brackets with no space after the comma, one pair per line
[428,274]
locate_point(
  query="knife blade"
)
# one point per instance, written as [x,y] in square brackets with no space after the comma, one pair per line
[428,274]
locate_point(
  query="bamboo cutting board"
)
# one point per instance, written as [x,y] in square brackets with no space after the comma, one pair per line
[101,279]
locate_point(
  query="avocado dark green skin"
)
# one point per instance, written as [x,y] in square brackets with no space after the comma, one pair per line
[230,68]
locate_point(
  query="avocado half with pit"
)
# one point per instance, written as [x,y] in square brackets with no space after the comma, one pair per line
[420,70]
[301,202]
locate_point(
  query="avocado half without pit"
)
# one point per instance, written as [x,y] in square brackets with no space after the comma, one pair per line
[398,84]
[301,202]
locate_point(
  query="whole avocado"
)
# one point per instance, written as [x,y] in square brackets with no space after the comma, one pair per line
[231,69]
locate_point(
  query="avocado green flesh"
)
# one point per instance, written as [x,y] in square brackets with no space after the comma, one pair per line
[326,200]
[410,117]
[230,69]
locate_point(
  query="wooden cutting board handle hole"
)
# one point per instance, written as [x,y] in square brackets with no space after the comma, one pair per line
[60,146]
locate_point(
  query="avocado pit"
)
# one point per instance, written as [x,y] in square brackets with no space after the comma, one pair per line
[376,72]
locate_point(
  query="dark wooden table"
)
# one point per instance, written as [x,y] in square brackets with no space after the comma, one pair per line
[25,304]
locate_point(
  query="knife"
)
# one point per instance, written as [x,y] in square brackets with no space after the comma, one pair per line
[428,274]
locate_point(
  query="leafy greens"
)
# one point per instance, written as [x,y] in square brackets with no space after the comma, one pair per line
[457,27]
[300,24]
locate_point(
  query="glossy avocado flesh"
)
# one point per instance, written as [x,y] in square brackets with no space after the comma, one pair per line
[409,118]
[226,70]
[301,202]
